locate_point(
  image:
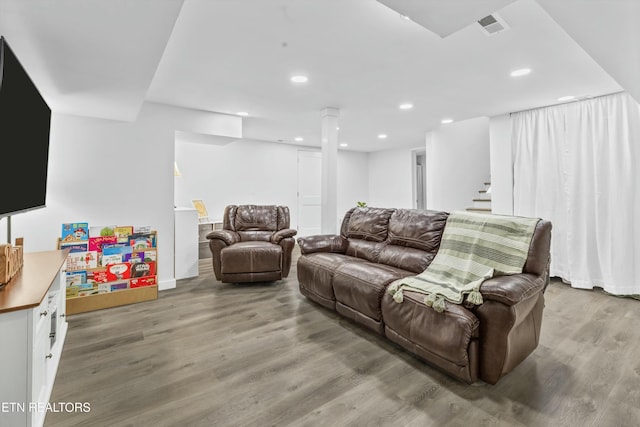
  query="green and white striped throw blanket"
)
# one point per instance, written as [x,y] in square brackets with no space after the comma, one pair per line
[474,247]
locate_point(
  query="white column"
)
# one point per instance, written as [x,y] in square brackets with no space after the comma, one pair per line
[329,195]
[428,170]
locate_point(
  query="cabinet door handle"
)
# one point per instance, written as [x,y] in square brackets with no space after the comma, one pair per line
[52,335]
[44,313]
[62,315]
[48,356]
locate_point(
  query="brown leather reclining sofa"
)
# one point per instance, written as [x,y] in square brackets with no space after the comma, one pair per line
[349,273]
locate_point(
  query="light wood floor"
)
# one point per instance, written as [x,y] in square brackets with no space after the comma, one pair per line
[212,354]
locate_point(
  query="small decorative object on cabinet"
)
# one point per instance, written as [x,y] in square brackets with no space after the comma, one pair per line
[11,258]
[33,328]
[203,215]
[109,266]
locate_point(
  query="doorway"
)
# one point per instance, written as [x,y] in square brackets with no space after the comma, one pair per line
[419,180]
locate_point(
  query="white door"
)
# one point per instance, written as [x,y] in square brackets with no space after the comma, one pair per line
[309,192]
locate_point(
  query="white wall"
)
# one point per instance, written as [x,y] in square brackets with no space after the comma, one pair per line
[111,172]
[257,172]
[353,181]
[241,172]
[457,164]
[391,179]
[501,165]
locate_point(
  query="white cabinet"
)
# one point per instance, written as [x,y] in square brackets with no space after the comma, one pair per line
[33,328]
[186,243]
[205,228]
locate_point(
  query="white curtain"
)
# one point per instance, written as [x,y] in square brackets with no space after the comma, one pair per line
[578,166]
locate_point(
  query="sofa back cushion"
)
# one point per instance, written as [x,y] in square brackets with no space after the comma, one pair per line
[283,217]
[256,218]
[414,239]
[371,224]
[344,228]
[366,230]
[255,222]
[418,229]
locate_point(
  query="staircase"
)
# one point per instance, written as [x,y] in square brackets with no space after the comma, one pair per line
[482,203]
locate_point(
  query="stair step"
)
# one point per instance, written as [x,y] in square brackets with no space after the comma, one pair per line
[486,210]
[485,204]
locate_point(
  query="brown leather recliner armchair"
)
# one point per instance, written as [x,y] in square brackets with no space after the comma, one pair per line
[254,245]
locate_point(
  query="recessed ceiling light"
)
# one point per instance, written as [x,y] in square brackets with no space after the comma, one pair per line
[406,106]
[520,72]
[337,127]
[242,113]
[382,136]
[344,144]
[299,79]
[405,17]
[446,121]
[299,138]
[566,98]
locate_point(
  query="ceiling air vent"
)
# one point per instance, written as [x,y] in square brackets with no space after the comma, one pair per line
[492,24]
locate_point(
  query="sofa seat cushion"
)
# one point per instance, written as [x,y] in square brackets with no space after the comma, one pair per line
[362,285]
[447,334]
[256,257]
[315,272]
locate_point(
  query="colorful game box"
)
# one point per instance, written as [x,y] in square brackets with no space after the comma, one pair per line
[143,281]
[75,231]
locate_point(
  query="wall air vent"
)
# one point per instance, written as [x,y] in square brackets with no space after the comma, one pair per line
[492,24]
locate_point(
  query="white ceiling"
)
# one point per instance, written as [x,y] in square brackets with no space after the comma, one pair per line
[104,58]
[445,17]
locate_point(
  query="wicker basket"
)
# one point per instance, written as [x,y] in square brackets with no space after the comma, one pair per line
[11,259]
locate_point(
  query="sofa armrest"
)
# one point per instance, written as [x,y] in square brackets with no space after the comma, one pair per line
[510,322]
[227,236]
[287,245]
[511,289]
[323,243]
[283,234]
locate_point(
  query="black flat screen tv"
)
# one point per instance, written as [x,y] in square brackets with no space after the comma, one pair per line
[25,121]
